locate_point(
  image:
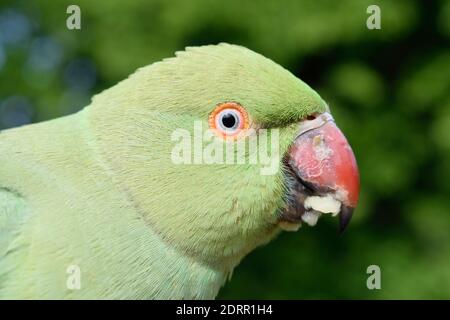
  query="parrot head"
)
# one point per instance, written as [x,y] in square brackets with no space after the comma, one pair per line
[170,125]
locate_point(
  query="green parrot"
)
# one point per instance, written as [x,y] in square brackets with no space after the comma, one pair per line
[98,204]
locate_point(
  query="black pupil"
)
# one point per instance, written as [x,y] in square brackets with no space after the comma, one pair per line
[229,120]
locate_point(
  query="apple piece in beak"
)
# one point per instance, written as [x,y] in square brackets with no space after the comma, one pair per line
[324,162]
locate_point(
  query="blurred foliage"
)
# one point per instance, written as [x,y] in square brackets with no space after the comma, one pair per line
[388,89]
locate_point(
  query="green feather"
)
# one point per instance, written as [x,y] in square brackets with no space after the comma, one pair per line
[98,189]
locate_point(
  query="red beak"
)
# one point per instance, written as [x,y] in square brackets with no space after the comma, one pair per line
[322,157]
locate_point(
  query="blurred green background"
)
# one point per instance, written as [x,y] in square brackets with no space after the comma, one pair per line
[388,90]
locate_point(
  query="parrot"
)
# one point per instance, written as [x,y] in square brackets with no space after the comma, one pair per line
[94,205]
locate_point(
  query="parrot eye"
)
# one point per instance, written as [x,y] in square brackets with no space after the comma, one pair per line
[228,119]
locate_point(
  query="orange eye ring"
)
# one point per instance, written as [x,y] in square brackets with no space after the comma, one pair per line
[228,120]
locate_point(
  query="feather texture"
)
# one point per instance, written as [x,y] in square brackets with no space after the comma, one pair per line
[98,189]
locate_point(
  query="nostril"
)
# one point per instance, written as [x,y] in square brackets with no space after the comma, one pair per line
[310,117]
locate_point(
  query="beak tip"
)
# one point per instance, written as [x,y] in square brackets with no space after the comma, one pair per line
[344,218]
